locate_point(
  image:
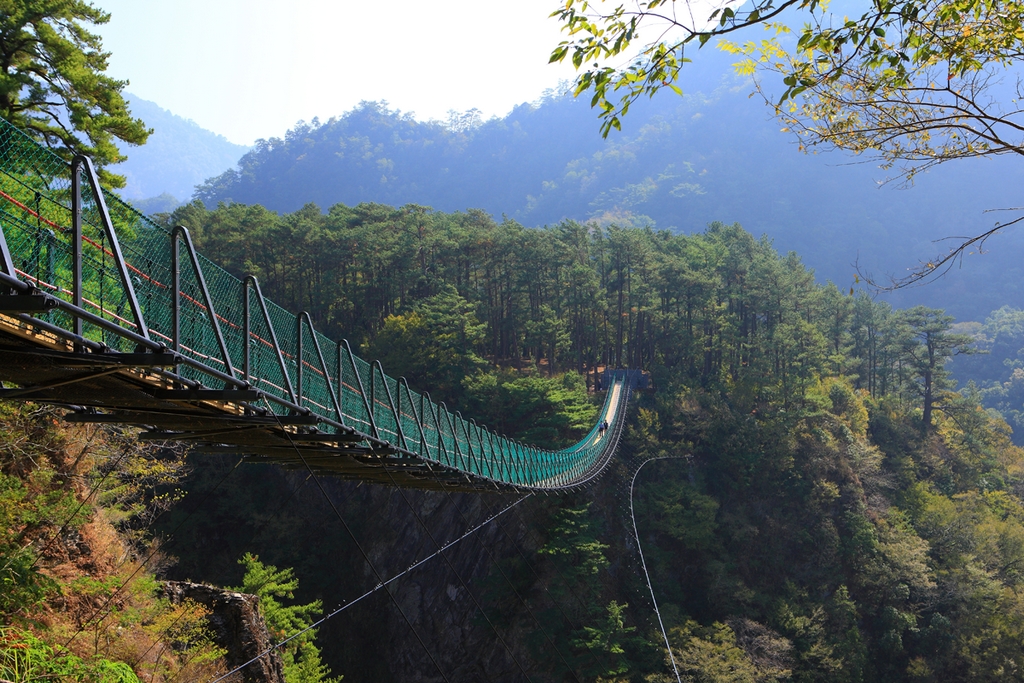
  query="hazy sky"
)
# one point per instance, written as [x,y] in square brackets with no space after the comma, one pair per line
[251,69]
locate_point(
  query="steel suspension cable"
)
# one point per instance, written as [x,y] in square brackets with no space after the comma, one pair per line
[184,613]
[458,576]
[536,574]
[149,557]
[355,541]
[515,592]
[558,571]
[643,562]
[345,605]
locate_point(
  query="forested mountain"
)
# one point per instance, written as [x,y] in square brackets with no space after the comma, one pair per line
[680,164]
[833,513]
[831,510]
[178,156]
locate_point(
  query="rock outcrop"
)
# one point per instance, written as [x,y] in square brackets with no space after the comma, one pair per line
[237,626]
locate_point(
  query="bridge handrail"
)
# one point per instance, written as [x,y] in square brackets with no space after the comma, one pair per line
[118,280]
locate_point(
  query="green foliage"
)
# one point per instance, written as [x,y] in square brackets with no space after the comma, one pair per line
[816,432]
[681,511]
[24,658]
[546,411]
[711,655]
[573,545]
[301,656]
[64,494]
[929,345]
[433,346]
[867,81]
[33,497]
[602,649]
[861,550]
[53,85]
[432,294]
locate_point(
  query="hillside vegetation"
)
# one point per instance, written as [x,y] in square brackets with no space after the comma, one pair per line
[829,508]
[77,601]
[177,156]
[680,164]
[832,509]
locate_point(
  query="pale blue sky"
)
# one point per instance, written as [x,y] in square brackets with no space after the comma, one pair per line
[250,69]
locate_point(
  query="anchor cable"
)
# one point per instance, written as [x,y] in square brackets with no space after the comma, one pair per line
[345,605]
[451,566]
[355,541]
[643,562]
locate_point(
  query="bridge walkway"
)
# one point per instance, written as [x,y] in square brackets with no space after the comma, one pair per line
[122,321]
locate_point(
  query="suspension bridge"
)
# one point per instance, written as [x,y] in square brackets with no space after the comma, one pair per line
[108,313]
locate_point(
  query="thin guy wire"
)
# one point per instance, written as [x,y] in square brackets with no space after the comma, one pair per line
[523,602]
[181,616]
[344,606]
[536,574]
[359,547]
[643,562]
[150,556]
[483,612]
[618,421]
[63,526]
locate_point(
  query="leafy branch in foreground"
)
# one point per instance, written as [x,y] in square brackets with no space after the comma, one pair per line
[908,83]
[932,94]
[942,263]
[53,85]
[598,34]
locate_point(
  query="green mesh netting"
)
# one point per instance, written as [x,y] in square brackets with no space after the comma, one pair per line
[303,367]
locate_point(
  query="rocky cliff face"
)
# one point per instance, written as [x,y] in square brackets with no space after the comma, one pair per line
[238,627]
[284,518]
[445,600]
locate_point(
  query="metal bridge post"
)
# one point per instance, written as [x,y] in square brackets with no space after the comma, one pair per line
[527,466]
[362,390]
[498,456]
[298,359]
[250,280]
[80,163]
[76,244]
[341,383]
[441,447]
[516,461]
[484,442]
[246,332]
[461,422]
[51,256]
[422,401]
[175,296]
[450,420]
[482,457]
[323,362]
[391,403]
[416,416]
[5,255]
[373,403]
[182,231]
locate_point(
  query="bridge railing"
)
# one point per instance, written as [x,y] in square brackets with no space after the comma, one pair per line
[122,282]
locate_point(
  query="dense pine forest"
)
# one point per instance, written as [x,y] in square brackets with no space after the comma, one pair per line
[827,506]
[433,295]
[678,164]
[834,510]
[826,479]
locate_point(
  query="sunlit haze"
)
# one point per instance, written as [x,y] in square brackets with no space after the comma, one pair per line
[250,69]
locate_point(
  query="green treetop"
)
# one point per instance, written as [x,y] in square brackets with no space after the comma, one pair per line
[53,85]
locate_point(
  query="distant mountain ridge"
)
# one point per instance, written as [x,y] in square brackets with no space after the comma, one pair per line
[178,156]
[680,163]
